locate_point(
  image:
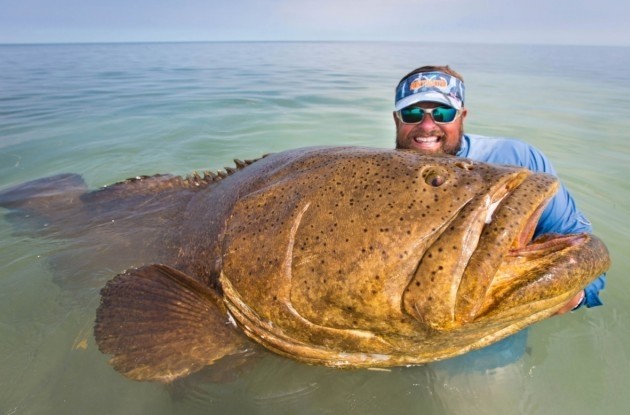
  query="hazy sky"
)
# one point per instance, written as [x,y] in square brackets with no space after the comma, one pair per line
[603,22]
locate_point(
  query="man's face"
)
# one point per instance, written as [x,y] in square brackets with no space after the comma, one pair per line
[429,137]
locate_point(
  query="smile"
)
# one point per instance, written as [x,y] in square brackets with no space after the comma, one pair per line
[424,140]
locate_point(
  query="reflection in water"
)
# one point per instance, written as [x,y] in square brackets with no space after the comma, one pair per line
[486,380]
[483,381]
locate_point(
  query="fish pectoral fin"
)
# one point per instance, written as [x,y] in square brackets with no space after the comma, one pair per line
[161,324]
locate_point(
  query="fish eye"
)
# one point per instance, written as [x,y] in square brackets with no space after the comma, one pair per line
[434,179]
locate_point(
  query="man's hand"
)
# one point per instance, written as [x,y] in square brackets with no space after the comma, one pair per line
[571,304]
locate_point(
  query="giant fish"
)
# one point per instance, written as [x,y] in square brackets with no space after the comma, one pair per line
[340,256]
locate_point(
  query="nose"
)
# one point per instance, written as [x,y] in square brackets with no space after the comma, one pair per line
[427,122]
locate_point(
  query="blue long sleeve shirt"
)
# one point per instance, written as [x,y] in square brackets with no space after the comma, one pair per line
[561,214]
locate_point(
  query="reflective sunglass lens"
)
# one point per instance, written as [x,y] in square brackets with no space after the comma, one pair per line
[444,114]
[414,115]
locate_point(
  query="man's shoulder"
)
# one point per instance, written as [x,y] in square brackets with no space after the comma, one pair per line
[504,150]
[483,142]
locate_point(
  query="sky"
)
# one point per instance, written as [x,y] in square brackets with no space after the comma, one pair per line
[579,22]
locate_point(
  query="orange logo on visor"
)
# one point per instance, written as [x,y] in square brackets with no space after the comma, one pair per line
[428,83]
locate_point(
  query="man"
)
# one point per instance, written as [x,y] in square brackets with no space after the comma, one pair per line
[429,116]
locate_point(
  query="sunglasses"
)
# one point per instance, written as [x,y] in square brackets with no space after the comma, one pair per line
[415,115]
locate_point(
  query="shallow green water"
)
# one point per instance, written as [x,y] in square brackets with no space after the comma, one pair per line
[114,111]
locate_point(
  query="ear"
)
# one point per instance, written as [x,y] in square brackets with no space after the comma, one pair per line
[397,121]
[464,113]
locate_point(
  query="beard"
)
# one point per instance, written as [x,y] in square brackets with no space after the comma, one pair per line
[448,146]
[454,148]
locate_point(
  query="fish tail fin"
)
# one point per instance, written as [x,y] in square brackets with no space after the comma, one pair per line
[160,324]
[35,204]
[44,196]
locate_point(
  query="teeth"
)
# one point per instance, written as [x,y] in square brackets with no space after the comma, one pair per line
[432,139]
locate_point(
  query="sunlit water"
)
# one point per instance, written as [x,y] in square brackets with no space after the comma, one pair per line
[113,111]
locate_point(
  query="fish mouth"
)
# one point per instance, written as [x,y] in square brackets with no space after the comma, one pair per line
[512,219]
[496,229]
[525,237]
[507,252]
[525,245]
[545,244]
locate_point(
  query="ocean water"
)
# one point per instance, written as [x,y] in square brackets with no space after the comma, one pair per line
[112,111]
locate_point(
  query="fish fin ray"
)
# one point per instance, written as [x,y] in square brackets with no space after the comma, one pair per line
[160,324]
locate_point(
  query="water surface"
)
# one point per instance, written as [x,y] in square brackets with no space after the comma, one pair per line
[109,112]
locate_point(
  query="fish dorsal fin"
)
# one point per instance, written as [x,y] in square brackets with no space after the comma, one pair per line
[228,171]
[160,324]
[150,185]
[164,182]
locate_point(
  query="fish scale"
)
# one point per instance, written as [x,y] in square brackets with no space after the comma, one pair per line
[339,256]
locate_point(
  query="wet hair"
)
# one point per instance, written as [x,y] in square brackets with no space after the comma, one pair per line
[433,68]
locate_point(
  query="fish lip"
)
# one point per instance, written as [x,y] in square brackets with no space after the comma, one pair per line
[501,199]
[468,236]
[526,236]
[547,244]
[507,229]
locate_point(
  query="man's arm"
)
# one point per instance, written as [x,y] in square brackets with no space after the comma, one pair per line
[562,216]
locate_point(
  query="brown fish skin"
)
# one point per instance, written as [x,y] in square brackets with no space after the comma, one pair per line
[366,258]
[340,256]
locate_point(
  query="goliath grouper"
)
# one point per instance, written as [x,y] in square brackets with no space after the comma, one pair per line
[345,257]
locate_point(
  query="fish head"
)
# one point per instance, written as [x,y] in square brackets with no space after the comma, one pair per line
[396,256]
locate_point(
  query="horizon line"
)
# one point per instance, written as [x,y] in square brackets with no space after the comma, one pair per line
[123,42]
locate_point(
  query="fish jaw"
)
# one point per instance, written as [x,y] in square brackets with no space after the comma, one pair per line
[432,295]
[511,227]
[570,262]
